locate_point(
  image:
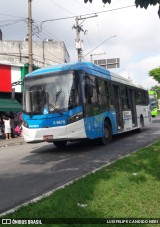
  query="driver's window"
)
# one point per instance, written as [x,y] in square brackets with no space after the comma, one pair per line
[74,99]
[91,95]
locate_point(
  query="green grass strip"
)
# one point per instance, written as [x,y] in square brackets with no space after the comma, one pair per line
[128,188]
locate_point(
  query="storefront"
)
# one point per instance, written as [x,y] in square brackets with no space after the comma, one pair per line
[10,73]
[9,105]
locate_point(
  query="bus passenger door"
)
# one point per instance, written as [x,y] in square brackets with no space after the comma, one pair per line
[118,107]
[132,105]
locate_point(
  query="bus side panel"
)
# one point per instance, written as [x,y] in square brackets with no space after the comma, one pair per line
[76,130]
[145,113]
[127,119]
[94,125]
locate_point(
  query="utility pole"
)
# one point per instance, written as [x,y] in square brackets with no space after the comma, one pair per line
[30,59]
[79,45]
[79,42]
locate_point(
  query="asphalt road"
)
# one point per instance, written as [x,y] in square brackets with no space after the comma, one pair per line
[29,170]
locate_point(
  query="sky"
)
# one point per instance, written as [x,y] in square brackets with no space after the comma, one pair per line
[120,30]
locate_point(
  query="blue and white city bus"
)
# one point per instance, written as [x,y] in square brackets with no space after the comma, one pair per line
[75,101]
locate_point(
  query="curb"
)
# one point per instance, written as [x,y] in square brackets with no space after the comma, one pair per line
[12,144]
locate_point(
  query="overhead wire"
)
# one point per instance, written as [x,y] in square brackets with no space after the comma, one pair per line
[99,33]
[57,39]
[56,19]
[8,15]
[84,6]
[88,14]
[41,37]
[49,52]
[61,7]
[10,23]
[70,48]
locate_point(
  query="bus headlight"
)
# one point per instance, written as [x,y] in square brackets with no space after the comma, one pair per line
[25,124]
[75,118]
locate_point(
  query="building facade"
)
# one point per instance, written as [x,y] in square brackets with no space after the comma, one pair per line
[45,53]
[14,66]
[10,73]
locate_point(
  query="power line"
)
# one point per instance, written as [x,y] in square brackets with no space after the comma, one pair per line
[26,56]
[50,53]
[14,55]
[8,15]
[99,32]
[61,7]
[47,50]
[84,6]
[11,23]
[57,39]
[70,48]
[89,14]
[100,44]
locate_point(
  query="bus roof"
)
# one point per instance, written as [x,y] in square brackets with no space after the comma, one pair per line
[87,67]
[123,80]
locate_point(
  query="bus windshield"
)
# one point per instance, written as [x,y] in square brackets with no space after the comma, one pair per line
[50,93]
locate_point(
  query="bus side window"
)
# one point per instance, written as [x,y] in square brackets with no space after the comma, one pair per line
[88,90]
[147,97]
[91,95]
[125,100]
[145,100]
[74,95]
[103,94]
[138,97]
[110,95]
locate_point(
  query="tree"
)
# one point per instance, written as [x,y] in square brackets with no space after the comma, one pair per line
[157,89]
[141,3]
[155,73]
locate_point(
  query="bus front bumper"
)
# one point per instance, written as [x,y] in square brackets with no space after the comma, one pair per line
[72,131]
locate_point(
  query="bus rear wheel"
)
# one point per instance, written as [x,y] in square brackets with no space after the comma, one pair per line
[60,144]
[141,124]
[107,137]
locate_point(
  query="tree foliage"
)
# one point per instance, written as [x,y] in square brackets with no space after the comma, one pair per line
[155,73]
[141,3]
[157,89]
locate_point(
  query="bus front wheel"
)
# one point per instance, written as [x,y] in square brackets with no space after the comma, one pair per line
[107,136]
[60,144]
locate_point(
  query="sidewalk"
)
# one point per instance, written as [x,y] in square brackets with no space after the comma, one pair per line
[11,142]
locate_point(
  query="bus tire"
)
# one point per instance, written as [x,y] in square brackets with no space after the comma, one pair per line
[107,134]
[60,144]
[141,124]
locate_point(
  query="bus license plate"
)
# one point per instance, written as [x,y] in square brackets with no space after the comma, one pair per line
[48,137]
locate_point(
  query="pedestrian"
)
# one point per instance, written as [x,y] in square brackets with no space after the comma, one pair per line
[12,123]
[2,136]
[7,127]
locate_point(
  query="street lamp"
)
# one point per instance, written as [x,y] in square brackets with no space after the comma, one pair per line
[100,44]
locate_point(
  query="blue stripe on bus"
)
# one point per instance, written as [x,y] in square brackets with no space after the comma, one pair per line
[50,120]
[94,125]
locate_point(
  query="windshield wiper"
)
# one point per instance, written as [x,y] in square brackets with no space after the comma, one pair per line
[56,108]
[58,93]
